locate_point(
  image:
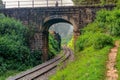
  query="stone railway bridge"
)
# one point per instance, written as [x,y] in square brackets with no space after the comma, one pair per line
[42,18]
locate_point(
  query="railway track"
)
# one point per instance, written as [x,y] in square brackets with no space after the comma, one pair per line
[38,72]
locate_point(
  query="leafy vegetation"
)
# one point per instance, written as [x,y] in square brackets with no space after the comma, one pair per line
[15,55]
[8,73]
[53,46]
[97,40]
[93,2]
[106,22]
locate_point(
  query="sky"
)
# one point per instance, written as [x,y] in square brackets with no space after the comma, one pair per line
[38,3]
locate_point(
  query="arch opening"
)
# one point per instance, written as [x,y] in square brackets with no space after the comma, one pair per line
[65,30]
[51,22]
[60,28]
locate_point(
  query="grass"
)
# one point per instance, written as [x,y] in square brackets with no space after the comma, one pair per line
[7,74]
[118,63]
[90,64]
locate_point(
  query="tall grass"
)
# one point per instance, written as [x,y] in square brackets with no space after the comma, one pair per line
[89,65]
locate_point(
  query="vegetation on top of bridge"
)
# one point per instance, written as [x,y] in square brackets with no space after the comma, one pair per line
[92,48]
[95,2]
[15,54]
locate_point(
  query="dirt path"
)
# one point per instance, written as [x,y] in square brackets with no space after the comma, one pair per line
[111,70]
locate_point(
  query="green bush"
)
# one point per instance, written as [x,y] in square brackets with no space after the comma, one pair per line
[97,40]
[14,52]
[109,21]
[85,40]
[35,58]
[102,40]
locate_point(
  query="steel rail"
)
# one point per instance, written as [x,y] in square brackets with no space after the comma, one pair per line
[42,69]
[66,57]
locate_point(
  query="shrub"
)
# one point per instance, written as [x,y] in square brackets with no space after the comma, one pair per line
[109,21]
[84,40]
[97,40]
[14,51]
[92,27]
[102,40]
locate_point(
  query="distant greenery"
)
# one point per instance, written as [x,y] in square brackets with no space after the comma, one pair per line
[92,2]
[66,39]
[65,30]
[71,44]
[15,55]
[53,46]
[92,48]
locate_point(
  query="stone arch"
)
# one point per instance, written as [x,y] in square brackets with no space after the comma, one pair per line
[49,21]
[46,26]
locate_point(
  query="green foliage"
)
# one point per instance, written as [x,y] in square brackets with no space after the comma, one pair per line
[94,2]
[12,43]
[106,22]
[71,44]
[53,46]
[97,40]
[118,4]
[14,52]
[86,2]
[109,20]
[102,40]
[8,73]
[92,27]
